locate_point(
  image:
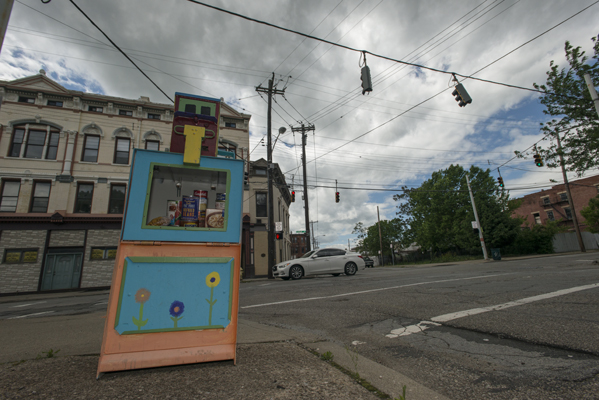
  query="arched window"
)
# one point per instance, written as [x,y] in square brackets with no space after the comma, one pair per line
[36,139]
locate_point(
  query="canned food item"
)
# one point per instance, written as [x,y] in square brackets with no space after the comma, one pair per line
[202,218]
[171,211]
[220,205]
[221,196]
[189,208]
[190,224]
[215,218]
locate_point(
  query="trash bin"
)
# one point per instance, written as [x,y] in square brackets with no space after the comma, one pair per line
[496,254]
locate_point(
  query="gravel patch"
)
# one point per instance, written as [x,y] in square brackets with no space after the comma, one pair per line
[263,371]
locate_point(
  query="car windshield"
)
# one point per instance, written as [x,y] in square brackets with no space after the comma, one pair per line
[308,254]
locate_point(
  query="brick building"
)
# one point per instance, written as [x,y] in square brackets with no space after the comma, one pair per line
[65,158]
[299,245]
[552,204]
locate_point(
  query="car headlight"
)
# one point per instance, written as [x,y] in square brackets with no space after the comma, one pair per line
[282,266]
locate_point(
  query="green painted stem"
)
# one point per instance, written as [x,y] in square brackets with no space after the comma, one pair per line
[211,304]
[141,315]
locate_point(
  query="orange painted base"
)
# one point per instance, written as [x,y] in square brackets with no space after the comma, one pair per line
[147,350]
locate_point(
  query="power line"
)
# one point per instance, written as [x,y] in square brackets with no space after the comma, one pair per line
[119,49]
[369,52]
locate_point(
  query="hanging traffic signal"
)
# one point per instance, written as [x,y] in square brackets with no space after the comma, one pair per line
[461,95]
[538,160]
[366,81]
[246,178]
[500,181]
[293,196]
[279,235]
[336,197]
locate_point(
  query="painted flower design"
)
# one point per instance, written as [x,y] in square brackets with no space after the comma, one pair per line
[213,279]
[142,295]
[177,308]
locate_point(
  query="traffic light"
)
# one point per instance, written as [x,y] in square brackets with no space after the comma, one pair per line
[461,95]
[336,197]
[279,235]
[293,196]
[366,81]
[246,178]
[538,160]
[500,181]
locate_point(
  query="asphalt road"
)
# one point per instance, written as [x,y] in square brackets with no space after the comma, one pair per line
[525,329]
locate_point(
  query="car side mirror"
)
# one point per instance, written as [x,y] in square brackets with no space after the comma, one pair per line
[314,256]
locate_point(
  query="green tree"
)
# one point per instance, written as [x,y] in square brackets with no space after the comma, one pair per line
[391,230]
[591,214]
[569,102]
[439,213]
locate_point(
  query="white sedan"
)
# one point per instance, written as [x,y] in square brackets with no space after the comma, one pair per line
[317,262]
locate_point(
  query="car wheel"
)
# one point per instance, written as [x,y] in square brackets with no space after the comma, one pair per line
[296,272]
[335,274]
[350,268]
[285,278]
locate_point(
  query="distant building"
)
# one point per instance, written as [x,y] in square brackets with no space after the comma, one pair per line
[552,204]
[299,245]
[256,250]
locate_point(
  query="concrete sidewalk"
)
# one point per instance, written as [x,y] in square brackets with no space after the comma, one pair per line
[272,363]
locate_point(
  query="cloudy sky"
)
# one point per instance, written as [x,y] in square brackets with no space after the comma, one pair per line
[365,143]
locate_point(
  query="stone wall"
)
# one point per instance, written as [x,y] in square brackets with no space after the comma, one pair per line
[23,277]
[98,273]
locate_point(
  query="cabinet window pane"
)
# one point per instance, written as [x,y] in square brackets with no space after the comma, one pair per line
[90,149]
[83,203]
[10,195]
[121,151]
[17,141]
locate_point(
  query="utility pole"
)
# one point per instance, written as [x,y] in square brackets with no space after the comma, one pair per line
[380,236]
[592,90]
[303,129]
[313,239]
[480,228]
[570,200]
[269,170]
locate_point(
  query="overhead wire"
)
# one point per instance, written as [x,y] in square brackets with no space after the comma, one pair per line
[122,52]
[363,51]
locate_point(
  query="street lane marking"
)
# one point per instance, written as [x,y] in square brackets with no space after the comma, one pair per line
[371,291]
[31,315]
[404,331]
[29,304]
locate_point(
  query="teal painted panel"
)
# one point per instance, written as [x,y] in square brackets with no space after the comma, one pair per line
[162,294]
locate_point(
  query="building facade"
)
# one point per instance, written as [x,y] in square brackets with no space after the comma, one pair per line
[299,245]
[256,252]
[552,204]
[65,158]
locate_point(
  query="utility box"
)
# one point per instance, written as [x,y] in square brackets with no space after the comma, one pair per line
[496,254]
